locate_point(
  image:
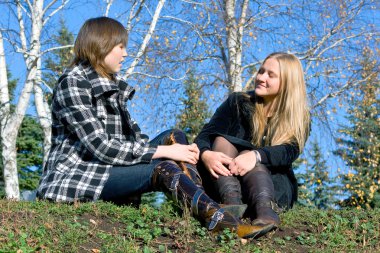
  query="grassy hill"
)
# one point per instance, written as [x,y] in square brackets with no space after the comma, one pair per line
[103,227]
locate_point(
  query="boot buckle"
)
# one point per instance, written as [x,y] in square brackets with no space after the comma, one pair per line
[194,202]
[215,218]
[275,207]
[174,185]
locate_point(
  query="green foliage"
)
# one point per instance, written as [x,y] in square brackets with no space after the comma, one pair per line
[195,112]
[359,145]
[29,153]
[103,227]
[59,59]
[12,83]
[317,188]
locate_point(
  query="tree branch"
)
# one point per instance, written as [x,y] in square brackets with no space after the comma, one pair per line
[55,11]
[159,77]
[342,89]
[146,39]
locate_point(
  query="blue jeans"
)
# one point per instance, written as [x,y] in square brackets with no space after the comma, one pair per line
[126,183]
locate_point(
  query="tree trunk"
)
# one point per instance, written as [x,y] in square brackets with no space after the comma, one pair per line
[8,138]
[43,112]
[235,43]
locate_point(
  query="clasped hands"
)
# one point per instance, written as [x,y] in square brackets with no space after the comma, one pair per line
[217,163]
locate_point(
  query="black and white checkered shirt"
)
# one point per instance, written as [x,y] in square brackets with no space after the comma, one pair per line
[91,131]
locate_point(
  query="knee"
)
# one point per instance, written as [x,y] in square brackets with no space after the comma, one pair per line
[260,171]
[165,138]
[260,167]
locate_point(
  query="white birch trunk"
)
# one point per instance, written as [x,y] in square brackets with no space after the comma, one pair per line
[235,31]
[8,146]
[10,124]
[43,111]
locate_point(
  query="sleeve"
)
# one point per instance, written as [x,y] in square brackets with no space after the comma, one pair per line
[73,107]
[219,123]
[279,155]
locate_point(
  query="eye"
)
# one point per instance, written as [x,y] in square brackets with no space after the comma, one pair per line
[261,71]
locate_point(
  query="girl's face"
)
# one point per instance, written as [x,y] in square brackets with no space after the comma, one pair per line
[114,59]
[268,80]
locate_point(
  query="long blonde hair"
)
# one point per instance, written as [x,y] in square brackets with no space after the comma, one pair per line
[290,121]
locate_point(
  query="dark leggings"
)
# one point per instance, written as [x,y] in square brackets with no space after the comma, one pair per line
[228,190]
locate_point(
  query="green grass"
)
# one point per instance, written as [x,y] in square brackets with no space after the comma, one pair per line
[103,227]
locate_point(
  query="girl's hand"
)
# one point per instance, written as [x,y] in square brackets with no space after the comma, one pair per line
[243,163]
[216,163]
[178,152]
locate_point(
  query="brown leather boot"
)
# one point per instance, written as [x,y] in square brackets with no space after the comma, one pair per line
[168,177]
[260,192]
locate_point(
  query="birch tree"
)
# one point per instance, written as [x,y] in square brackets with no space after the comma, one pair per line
[31,17]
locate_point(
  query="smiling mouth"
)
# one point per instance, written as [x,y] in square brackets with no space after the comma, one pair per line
[261,85]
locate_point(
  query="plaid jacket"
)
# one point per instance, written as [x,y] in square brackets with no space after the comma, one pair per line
[91,131]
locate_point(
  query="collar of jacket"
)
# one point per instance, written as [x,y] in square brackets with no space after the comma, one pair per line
[101,85]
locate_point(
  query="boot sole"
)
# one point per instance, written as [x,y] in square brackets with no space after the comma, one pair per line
[247,232]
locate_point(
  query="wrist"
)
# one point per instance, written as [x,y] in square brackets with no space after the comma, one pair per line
[258,156]
[204,154]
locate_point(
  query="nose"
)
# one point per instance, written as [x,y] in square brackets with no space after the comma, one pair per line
[125,54]
[261,77]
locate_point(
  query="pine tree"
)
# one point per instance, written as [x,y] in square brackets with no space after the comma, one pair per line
[60,59]
[195,112]
[322,195]
[360,141]
[304,192]
[317,188]
[29,153]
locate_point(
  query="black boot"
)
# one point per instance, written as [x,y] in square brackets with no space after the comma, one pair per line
[194,175]
[168,177]
[260,191]
[229,190]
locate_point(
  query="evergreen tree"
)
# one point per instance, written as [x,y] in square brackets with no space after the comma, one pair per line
[195,112]
[317,188]
[360,142]
[321,182]
[59,59]
[304,192]
[29,153]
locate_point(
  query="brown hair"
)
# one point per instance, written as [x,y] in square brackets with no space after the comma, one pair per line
[96,38]
[290,121]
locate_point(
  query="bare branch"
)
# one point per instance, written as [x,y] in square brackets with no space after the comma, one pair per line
[48,6]
[159,77]
[147,38]
[55,48]
[21,25]
[133,14]
[55,11]
[187,23]
[109,3]
[342,89]
[191,2]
